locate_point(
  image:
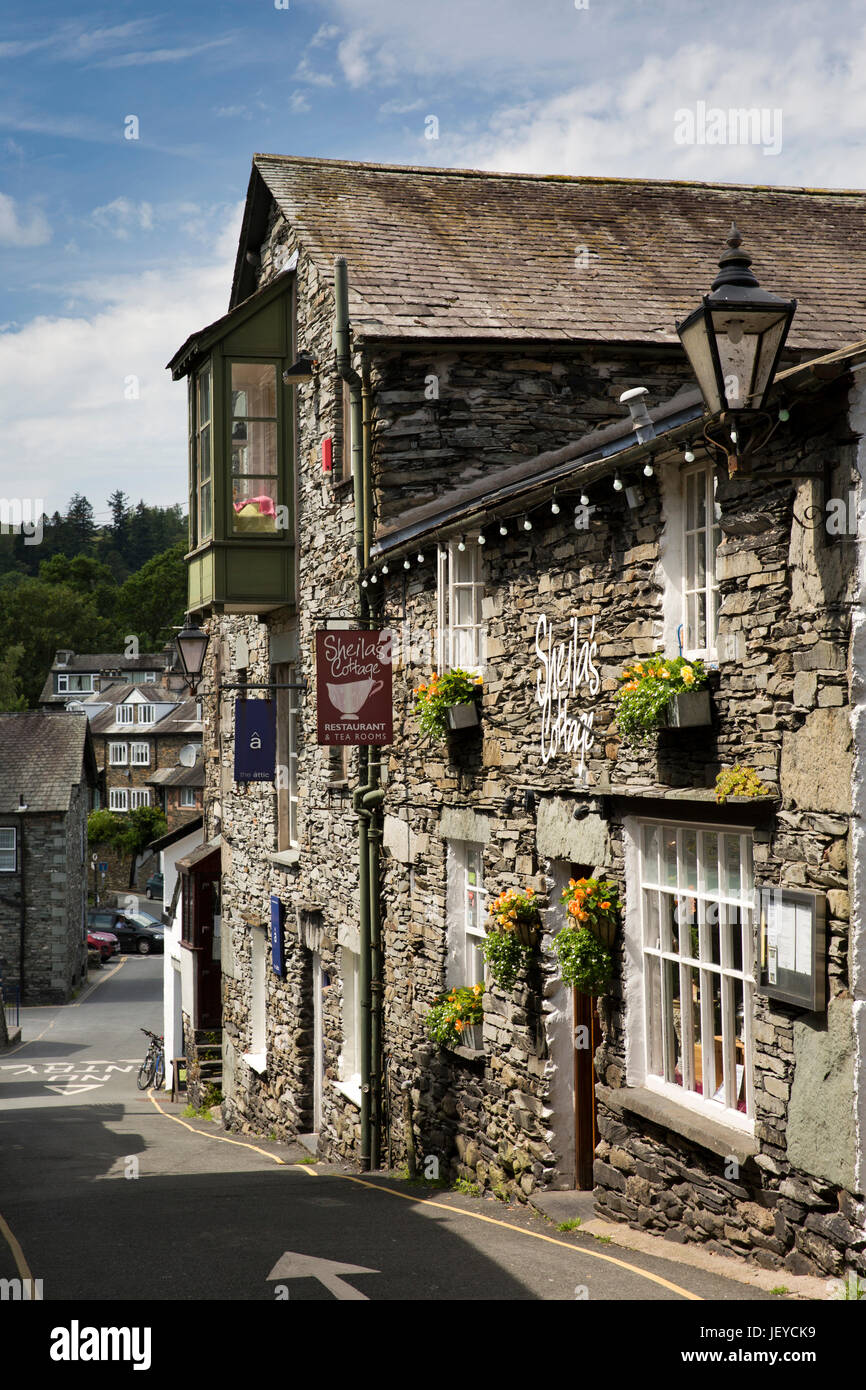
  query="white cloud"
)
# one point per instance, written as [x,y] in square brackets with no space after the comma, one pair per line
[298,103]
[122,216]
[16,230]
[74,429]
[323,35]
[147,57]
[305,73]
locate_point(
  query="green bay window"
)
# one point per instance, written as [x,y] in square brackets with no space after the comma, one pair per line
[241,445]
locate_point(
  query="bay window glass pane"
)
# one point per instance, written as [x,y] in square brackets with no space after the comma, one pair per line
[739,1049]
[692,1033]
[204,454]
[254,448]
[462,648]
[691,569]
[674,1067]
[204,397]
[205,513]
[670,934]
[254,501]
[732,865]
[254,389]
[670,854]
[710,847]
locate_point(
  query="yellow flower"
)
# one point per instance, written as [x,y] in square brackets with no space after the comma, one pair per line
[688,675]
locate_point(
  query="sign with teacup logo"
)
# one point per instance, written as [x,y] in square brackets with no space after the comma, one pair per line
[354,702]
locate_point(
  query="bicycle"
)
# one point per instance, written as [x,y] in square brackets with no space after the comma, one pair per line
[152,1069]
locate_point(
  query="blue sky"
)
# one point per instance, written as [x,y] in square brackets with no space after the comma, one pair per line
[114,249]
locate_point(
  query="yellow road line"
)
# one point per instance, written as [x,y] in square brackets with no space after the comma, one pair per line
[87,993]
[17,1253]
[452,1211]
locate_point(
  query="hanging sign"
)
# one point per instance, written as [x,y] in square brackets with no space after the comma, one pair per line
[565,670]
[255,741]
[354,702]
[278,913]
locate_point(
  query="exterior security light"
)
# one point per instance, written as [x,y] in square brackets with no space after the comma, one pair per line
[420,557]
[584,499]
[689,456]
[617,483]
[482,539]
[527,524]
[461,544]
[303,368]
[503,529]
[191,645]
[734,339]
[406,564]
[648,469]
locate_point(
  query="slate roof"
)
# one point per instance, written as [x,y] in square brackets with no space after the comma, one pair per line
[43,754]
[180,719]
[457,253]
[97,664]
[178,776]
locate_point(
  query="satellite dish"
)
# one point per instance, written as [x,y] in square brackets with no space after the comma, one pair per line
[188,755]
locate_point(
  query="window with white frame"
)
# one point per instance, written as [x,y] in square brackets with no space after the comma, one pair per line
[187,796]
[466,910]
[139,796]
[701,538]
[146,714]
[118,754]
[118,799]
[696,919]
[124,714]
[462,635]
[8,849]
[140,754]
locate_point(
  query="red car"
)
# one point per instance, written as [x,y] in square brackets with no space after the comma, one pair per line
[105,942]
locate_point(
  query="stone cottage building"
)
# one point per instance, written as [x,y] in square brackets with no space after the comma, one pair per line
[451,463]
[47,780]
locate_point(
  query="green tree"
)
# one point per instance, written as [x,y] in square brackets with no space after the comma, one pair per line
[10,686]
[149,602]
[42,617]
[79,522]
[104,828]
[142,825]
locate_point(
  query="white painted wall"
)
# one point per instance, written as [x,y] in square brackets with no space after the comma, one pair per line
[173,996]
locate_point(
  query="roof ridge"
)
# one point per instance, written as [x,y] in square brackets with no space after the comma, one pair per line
[450,171]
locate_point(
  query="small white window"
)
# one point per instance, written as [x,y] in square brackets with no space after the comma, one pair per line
[146,714]
[62,683]
[8,848]
[125,714]
[701,538]
[118,754]
[466,910]
[149,677]
[462,633]
[140,754]
[139,796]
[118,799]
[257,1057]
[187,796]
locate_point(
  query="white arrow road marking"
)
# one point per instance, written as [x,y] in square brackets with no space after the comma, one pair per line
[70,1090]
[296,1266]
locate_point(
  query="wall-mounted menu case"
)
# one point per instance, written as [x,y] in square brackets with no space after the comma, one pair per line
[792,946]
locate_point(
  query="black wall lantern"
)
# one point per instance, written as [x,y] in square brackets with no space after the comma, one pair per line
[191,645]
[734,341]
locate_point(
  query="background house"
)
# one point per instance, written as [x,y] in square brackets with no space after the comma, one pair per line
[47,777]
[74,676]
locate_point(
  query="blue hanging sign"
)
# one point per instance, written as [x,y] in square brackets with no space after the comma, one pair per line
[255,740]
[278,913]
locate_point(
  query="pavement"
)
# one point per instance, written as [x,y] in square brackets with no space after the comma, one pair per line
[110,1193]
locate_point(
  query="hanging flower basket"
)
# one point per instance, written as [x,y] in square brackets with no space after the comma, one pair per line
[661,692]
[448,703]
[512,934]
[593,904]
[583,961]
[457,1016]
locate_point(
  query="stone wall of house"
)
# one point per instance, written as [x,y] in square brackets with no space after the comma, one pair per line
[55,954]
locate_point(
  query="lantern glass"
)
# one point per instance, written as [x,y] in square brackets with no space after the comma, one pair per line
[191,646]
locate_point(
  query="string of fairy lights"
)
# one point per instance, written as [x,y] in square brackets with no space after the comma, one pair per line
[522,521]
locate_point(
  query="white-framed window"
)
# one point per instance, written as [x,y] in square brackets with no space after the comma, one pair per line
[288,727]
[146,714]
[187,796]
[700,541]
[8,849]
[118,799]
[139,796]
[257,1057]
[62,683]
[124,714]
[140,754]
[462,633]
[150,678]
[696,892]
[466,911]
[118,754]
[350,1052]
[71,681]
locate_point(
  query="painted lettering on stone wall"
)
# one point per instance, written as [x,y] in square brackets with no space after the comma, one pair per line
[565,669]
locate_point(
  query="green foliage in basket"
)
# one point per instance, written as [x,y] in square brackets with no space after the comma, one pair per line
[645,688]
[432,700]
